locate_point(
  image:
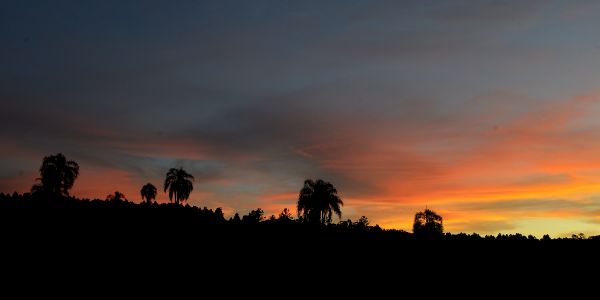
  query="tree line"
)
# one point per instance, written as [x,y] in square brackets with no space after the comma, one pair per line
[317,203]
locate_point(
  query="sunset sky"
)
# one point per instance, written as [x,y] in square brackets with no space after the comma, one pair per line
[487,112]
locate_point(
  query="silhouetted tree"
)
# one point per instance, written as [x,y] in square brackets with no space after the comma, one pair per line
[219,216]
[117,196]
[362,222]
[254,216]
[285,215]
[148,192]
[57,176]
[428,224]
[179,183]
[317,202]
[236,219]
[345,224]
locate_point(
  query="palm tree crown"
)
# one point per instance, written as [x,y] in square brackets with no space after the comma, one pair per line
[148,192]
[57,175]
[179,183]
[318,201]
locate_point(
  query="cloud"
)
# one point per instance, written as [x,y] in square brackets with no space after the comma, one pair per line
[482,227]
[544,179]
[522,205]
[490,12]
[399,104]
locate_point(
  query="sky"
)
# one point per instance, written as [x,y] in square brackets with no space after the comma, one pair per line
[484,111]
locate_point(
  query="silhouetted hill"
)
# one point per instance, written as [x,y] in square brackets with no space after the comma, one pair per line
[118,237]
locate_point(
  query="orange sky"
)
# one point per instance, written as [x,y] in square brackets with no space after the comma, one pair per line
[485,112]
[534,172]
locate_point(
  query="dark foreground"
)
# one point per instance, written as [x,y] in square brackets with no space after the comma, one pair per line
[120,242]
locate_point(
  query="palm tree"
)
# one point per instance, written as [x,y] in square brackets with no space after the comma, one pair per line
[428,224]
[317,202]
[57,175]
[148,192]
[179,183]
[117,196]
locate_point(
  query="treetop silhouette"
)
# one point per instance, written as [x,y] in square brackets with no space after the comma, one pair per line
[428,224]
[148,192]
[179,183]
[57,176]
[318,201]
[117,196]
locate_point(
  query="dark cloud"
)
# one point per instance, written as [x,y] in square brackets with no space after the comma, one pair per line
[386,98]
[490,12]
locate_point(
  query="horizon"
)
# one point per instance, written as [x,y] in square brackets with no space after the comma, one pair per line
[485,112]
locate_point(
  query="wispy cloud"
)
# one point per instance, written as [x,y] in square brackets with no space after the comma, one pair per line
[483,111]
